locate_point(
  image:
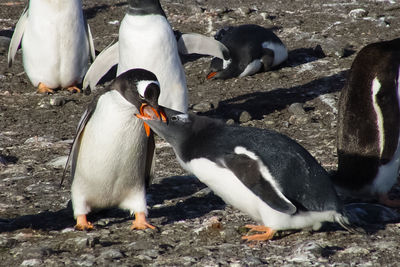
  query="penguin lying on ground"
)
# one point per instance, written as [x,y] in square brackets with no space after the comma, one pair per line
[261,172]
[369,124]
[251,48]
[111,156]
[146,40]
[56,43]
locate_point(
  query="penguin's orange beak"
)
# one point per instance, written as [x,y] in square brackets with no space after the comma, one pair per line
[148,112]
[211,74]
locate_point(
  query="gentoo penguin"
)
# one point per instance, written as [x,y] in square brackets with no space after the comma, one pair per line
[261,172]
[146,40]
[56,43]
[369,124]
[251,48]
[111,156]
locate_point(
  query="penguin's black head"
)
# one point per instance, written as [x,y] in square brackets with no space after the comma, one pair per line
[141,88]
[222,69]
[145,7]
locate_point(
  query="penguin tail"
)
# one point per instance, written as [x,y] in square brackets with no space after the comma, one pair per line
[344,221]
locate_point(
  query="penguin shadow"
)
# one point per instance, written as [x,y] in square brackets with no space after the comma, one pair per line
[259,104]
[92,11]
[178,198]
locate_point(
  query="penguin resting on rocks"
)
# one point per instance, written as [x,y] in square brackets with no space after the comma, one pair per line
[368,142]
[111,157]
[252,48]
[56,43]
[260,172]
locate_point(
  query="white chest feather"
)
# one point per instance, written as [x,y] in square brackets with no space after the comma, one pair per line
[280,52]
[148,42]
[111,159]
[55,45]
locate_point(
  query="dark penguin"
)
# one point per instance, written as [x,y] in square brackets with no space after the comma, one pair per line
[261,172]
[111,156]
[251,48]
[368,124]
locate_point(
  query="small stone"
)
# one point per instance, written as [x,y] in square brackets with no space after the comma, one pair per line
[31,262]
[296,109]
[244,117]
[358,13]
[202,106]
[230,122]
[111,254]
[58,162]
[57,101]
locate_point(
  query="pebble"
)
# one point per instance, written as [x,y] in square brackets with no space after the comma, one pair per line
[111,254]
[358,13]
[58,162]
[202,106]
[244,117]
[296,109]
[57,101]
[230,122]
[31,262]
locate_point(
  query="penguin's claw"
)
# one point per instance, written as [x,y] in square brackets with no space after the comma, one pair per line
[140,222]
[74,89]
[82,223]
[385,200]
[43,89]
[267,235]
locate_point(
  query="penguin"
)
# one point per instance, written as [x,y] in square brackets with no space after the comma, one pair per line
[146,40]
[56,43]
[368,143]
[252,48]
[111,157]
[263,173]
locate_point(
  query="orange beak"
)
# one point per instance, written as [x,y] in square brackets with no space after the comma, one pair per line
[148,112]
[211,74]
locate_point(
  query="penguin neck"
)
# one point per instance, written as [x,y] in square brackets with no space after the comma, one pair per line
[144,8]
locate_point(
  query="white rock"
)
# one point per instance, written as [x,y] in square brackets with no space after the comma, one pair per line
[58,162]
[31,262]
[358,13]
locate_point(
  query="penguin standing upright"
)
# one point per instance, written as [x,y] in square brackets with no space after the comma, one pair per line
[146,40]
[111,156]
[251,48]
[56,43]
[369,124]
[261,172]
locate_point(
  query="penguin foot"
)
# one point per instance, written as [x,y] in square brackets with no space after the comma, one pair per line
[82,223]
[43,89]
[74,89]
[140,222]
[267,235]
[385,200]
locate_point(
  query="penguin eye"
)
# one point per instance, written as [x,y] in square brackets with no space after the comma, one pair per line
[174,118]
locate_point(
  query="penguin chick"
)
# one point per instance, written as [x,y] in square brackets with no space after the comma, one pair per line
[146,40]
[260,172]
[368,124]
[56,42]
[111,157]
[251,48]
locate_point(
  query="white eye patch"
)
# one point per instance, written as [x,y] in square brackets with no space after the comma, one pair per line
[142,85]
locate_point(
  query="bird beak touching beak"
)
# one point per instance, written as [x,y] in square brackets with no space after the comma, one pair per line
[211,74]
[147,112]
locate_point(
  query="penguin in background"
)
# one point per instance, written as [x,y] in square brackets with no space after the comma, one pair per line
[111,157]
[368,143]
[56,43]
[146,40]
[260,172]
[252,48]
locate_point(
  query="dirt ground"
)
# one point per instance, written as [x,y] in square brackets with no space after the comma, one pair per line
[194,227]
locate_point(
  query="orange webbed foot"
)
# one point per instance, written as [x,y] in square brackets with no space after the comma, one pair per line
[267,235]
[82,223]
[74,89]
[140,222]
[43,89]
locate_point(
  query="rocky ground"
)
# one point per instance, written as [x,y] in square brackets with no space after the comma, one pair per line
[194,227]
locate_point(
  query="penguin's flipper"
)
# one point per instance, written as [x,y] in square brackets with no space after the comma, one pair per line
[149,171]
[17,36]
[73,154]
[194,43]
[255,176]
[103,63]
[90,40]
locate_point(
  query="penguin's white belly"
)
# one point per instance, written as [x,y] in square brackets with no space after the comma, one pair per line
[54,46]
[148,42]
[226,185]
[111,162]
